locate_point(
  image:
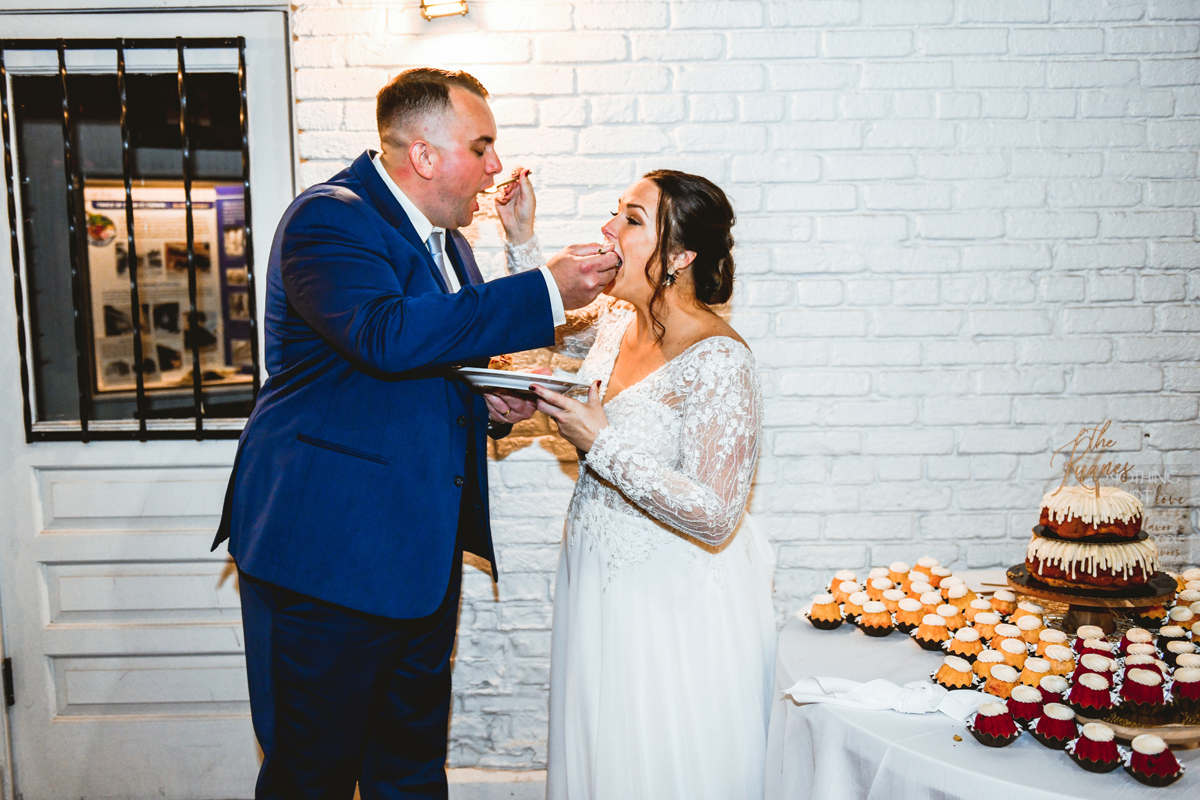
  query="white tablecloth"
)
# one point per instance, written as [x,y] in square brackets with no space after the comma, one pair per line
[825,752]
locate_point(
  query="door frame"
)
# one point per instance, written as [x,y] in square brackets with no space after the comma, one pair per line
[143,8]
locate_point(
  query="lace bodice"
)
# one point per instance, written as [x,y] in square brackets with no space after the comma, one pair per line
[681,444]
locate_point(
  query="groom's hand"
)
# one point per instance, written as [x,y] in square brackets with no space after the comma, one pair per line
[581,271]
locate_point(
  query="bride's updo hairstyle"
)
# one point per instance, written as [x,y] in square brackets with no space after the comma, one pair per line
[693,214]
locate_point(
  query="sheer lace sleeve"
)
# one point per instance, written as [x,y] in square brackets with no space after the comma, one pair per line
[722,418]
[576,337]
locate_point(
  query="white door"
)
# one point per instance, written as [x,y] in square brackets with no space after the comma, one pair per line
[123,629]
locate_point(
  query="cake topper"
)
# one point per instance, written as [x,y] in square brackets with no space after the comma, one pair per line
[1087,441]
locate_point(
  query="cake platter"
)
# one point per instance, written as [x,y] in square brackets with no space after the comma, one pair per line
[1183,735]
[1095,607]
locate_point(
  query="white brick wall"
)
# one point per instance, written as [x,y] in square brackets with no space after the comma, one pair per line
[965,229]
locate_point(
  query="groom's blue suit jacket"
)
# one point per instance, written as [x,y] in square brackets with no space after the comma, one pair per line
[350,471]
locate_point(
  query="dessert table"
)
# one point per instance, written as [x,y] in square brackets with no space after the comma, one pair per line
[828,752]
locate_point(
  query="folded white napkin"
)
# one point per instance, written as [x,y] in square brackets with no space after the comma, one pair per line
[915,697]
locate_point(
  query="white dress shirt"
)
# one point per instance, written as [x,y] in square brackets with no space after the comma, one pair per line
[425,228]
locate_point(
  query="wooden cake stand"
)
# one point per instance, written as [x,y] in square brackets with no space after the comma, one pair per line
[1095,607]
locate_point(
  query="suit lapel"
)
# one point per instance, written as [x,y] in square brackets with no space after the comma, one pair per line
[391,210]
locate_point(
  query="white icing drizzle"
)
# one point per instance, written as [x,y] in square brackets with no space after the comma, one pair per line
[1097,645]
[1029,622]
[1172,632]
[1097,662]
[899,567]
[878,572]
[1140,649]
[1004,673]
[1181,614]
[1148,744]
[1007,631]
[947,610]
[873,607]
[1004,595]
[1098,732]
[908,604]
[1181,647]
[1037,665]
[917,576]
[841,576]
[1188,661]
[895,595]
[1089,632]
[882,584]
[1145,677]
[823,600]
[1187,675]
[987,618]
[1076,501]
[1058,652]
[1032,608]
[1055,684]
[1058,711]
[1139,660]
[849,587]
[990,657]
[1189,596]
[957,664]
[953,580]
[1052,636]
[933,619]
[1192,574]
[966,635]
[1075,558]
[1139,636]
[941,572]
[1013,646]
[1026,694]
[992,709]
[979,604]
[928,562]
[858,598]
[921,587]
[957,590]
[931,598]
[1093,681]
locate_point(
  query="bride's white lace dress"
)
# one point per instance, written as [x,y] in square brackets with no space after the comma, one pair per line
[664,635]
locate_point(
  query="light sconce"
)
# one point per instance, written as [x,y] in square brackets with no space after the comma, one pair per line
[432,9]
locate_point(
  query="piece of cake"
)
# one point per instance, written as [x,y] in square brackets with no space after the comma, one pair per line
[1188,662]
[1079,565]
[952,615]
[1139,649]
[1091,696]
[1150,617]
[853,606]
[1185,688]
[825,612]
[937,575]
[1075,512]
[975,608]
[897,570]
[876,572]
[1151,762]
[1054,689]
[1144,662]
[1134,636]
[959,596]
[1004,631]
[891,599]
[965,643]
[1062,660]
[1034,670]
[909,613]
[919,589]
[1014,651]
[1047,637]
[985,661]
[1004,602]
[877,587]
[930,601]
[955,673]
[1094,662]
[914,576]
[876,620]
[993,725]
[1181,616]
[1085,632]
[1025,704]
[932,632]
[926,563]
[985,622]
[1031,628]
[1000,680]
[842,590]
[1056,727]
[1096,748]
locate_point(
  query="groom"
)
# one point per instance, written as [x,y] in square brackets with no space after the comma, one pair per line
[361,476]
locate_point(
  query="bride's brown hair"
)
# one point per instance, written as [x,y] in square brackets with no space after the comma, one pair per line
[693,214]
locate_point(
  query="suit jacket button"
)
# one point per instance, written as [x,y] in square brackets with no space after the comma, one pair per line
[458,480]
[462,422]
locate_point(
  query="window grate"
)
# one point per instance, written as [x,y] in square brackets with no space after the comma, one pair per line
[202,424]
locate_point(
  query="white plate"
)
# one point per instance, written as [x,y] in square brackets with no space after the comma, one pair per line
[480,378]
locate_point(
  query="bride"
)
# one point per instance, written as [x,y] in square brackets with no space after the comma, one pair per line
[663,647]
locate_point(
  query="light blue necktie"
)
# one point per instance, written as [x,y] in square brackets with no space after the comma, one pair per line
[439,259]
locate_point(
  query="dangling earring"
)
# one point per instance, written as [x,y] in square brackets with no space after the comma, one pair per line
[670,279]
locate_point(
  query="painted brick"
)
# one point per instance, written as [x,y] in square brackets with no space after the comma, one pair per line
[621,16]
[977,225]
[858,413]
[621,139]
[1010,11]
[814,106]
[816,135]
[760,108]
[999,74]
[1110,379]
[1055,41]
[1174,254]
[719,78]
[893,75]
[1178,318]
[582,48]
[1121,319]
[857,228]
[1154,39]
[1125,102]
[1162,288]
[866,167]
[1004,105]
[898,441]
[982,322]
[1140,224]
[958,105]
[1170,72]
[910,134]
[906,12]
[676,46]
[660,108]
[321,116]
[772,44]
[617,80]
[1005,256]
[895,322]
[961,41]
[811,198]
[966,410]
[781,167]
[821,323]
[817,443]
[873,44]
[721,15]
[1065,351]
[1151,165]
[1060,288]
[993,194]
[813,76]
[815,383]
[1094,193]
[1097,10]
[1052,225]
[917,197]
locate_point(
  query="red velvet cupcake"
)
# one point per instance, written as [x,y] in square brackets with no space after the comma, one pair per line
[1091,696]
[1143,696]
[1134,636]
[1095,750]
[1152,763]
[1093,662]
[1056,727]
[1053,688]
[1176,649]
[1186,690]
[1025,704]
[1085,632]
[1099,646]
[993,725]
[1143,662]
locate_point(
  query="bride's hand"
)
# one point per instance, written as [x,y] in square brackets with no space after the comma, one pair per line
[579,423]
[515,204]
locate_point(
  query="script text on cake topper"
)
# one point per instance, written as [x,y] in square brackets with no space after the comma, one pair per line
[1086,442]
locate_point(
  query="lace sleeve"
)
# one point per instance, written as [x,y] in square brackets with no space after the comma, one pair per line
[722,417]
[576,337]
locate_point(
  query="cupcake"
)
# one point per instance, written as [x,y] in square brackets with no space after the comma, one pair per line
[1151,762]
[852,608]
[914,576]
[1014,652]
[842,591]
[955,673]
[1031,628]
[965,644]
[1062,660]
[1186,690]
[1141,650]
[891,599]
[1171,633]
[985,661]
[952,615]
[1034,670]
[1004,602]
[932,632]
[937,575]
[1094,662]
[1025,609]
[1091,696]
[1142,695]
[1096,749]
[876,620]
[1053,688]
[1144,662]
[876,572]
[1187,597]
[1134,636]
[993,725]
[825,613]
[960,596]
[1047,637]
[897,570]
[1025,704]
[1006,631]
[908,615]
[1181,616]
[840,577]
[949,583]
[1151,617]
[926,563]
[1188,661]
[1085,632]
[985,622]
[1175,650]
[1000,681]
[930,601]
[877,587]
[976,607]
[1191,574]
[1056,727]
[1099,646]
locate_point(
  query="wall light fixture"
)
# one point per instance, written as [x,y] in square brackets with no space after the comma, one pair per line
[432,9]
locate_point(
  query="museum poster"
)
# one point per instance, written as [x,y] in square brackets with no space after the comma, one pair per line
[222,300]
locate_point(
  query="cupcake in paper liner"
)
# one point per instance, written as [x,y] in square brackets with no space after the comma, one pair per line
[1055,727]
[1096,748]
[1151,762]
[1025,704]
[1054,689]
[825,613]
[993,725]
[1092,695]
[1134,636]
[1185,688]
[955,673]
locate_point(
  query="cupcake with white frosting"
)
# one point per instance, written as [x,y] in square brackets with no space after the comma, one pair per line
[825,613]
[993,725]
[1152,762]
[985,661]
[1056,727]
[1096,748]
[1000,680]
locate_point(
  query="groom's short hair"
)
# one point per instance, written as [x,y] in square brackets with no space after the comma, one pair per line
[416,93]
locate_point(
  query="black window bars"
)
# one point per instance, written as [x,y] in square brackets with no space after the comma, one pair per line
[143,432]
